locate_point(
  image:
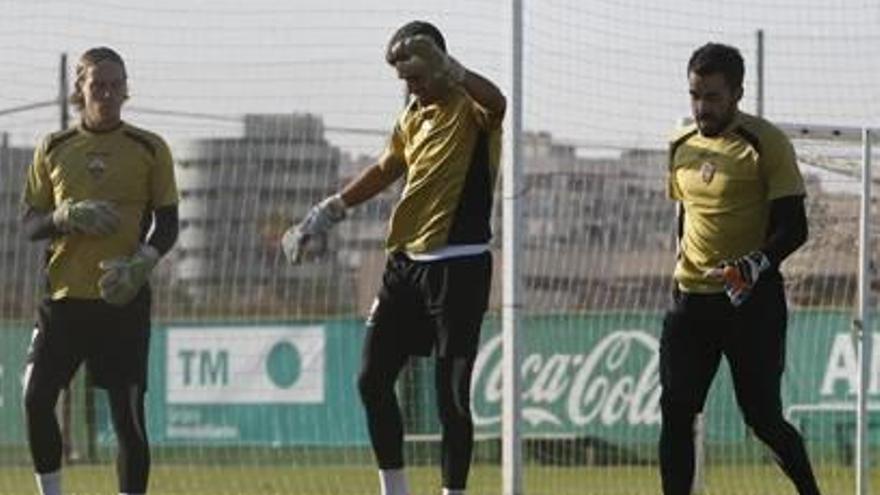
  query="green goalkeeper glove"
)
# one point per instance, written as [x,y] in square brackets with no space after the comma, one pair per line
[123,277]
[419,56]
[740,275]
[90,216]
[319,220]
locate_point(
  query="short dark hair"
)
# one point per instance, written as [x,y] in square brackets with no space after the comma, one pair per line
[92,57]
[414,28]
[713,58]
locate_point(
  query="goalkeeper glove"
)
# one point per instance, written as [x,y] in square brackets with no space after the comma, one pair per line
[90,216]
[319,220]
[419,56]
[123,277]
[740,275]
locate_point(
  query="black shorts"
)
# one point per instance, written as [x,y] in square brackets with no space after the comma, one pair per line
[113,341]
[425,305]
[701,328]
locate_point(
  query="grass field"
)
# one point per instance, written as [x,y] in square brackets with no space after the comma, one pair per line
[485,480]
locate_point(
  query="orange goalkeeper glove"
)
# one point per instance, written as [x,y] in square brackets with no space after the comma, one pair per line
[740,275]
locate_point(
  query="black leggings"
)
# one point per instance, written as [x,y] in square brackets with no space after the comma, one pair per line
[697,332]
[452,379]
[127,411]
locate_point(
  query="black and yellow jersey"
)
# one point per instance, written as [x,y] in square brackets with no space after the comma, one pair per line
[725,184]
[451,150]
[130,167]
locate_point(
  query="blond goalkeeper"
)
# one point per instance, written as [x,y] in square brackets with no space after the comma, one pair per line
[104,196]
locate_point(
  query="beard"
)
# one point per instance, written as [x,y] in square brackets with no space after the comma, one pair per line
[713,125]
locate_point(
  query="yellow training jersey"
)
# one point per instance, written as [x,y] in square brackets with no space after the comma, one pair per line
[451,150]
[129,167]
[725,184]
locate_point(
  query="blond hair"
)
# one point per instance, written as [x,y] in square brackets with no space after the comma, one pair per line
[91,58]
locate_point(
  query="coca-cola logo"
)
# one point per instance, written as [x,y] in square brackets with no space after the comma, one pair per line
[616,379]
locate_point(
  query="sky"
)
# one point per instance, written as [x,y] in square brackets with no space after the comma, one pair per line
[597,73]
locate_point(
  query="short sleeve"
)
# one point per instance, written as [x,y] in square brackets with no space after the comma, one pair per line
[393,156]
[778,165]
[163,184]
[679,137]
[486,119]
[672,189]
[38,192]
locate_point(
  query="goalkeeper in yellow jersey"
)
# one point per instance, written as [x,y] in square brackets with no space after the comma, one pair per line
[104,196]
[741,206]
[435,289]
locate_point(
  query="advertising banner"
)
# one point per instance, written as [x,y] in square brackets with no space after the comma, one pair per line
[245,365]
[596,375]
[14,342]
[271,384]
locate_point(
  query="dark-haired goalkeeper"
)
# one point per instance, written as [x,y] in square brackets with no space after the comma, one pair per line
[435,289]
[103,193]
[741,201]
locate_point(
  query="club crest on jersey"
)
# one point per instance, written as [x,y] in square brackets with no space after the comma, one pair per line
[707,172]
[96,166]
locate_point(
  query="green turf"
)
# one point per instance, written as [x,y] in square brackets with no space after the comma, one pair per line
[485,480]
